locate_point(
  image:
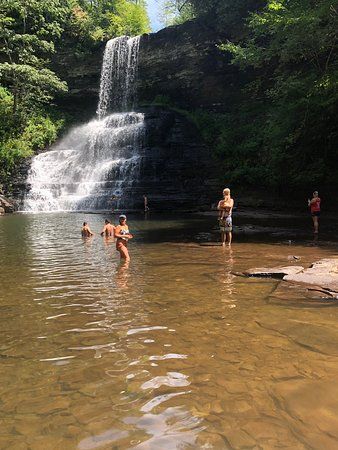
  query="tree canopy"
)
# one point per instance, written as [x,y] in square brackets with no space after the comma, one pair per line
[282,130]
[291,50]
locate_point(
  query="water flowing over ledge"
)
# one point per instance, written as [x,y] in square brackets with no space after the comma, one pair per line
[118,75]
[88,166]
[101,158]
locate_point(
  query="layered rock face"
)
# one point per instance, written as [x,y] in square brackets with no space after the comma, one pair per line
[184,64]
[181,64]
[176,169]
[82,74]
[5,205]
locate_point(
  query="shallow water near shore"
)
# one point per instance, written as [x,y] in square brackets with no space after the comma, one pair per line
[172,351]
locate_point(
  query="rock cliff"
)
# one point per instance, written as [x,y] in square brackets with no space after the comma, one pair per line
[182,67]
[177,171]
[181,64]
[184,64]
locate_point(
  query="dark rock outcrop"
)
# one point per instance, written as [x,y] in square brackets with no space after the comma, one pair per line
[82,72]
[5,205]
[184,64]
[181,65]
[177,168]
[16,187]
[275,272]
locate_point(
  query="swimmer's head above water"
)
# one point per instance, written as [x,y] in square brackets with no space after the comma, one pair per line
[107,221]
[122,218]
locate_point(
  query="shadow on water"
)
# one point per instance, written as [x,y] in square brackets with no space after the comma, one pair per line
[204,229]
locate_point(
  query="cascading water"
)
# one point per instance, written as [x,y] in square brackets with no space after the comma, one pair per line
[118,74]
[100,159]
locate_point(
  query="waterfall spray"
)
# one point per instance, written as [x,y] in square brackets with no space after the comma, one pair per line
[101,158]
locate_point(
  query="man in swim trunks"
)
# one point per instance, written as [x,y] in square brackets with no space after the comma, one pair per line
[86,231]
[123,235]
[108,229]
[314,205]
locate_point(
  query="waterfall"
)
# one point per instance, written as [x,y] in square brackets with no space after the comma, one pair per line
[118,74]
[94,161]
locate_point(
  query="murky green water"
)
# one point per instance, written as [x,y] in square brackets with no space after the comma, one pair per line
[170,352]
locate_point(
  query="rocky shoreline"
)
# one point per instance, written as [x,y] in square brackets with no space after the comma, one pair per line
[6,206]
[320,277]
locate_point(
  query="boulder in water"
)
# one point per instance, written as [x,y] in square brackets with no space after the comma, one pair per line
[323,273]
[5,205]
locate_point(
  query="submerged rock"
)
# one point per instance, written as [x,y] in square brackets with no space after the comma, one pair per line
[310,407]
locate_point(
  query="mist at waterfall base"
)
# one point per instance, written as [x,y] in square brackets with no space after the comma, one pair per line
[100,159]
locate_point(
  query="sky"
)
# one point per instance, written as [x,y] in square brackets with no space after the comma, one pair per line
[153,12]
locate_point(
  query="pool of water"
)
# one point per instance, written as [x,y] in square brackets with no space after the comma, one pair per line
[172,351]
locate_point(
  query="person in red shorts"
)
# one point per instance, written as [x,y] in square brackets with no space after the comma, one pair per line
[122,234]
[314,205]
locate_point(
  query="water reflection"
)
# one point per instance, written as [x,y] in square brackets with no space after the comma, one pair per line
[168,351]
[170,429]
[123,275]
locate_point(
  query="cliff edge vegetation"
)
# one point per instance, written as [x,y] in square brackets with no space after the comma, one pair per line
[281,133]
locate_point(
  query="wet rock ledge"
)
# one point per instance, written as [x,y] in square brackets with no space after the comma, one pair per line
[321,276]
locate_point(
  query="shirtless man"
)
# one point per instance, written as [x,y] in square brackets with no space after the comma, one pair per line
[108,229]
[123,235]
[86,231]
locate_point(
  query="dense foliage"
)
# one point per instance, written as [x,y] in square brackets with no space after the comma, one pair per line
[288,129]
[282,131]
[30,32]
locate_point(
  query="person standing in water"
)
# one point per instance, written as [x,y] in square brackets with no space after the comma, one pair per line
[123,235]
[114,201]
[145,202]
[86,231]
[108,229]
[314,205]
[225,216]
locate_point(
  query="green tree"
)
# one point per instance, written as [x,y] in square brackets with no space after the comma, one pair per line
[101,20]
[28,29]
[129,18]
[291,47]
[174,12]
